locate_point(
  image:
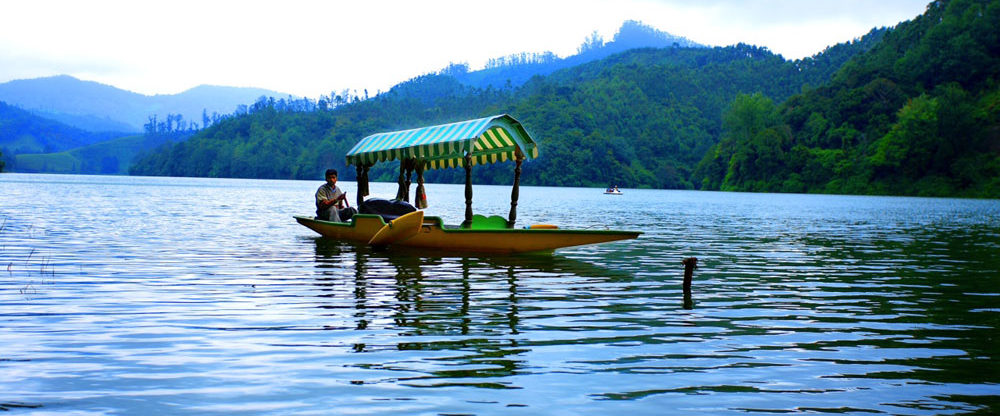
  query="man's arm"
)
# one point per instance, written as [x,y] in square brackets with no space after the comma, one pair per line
[323,201]
[339,199]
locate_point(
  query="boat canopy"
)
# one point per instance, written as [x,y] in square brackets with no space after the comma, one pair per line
[486,140]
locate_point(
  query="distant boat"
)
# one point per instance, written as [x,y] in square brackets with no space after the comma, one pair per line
[612,191]
[463,144]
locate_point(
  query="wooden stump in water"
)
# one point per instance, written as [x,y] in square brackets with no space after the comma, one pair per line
[690,264]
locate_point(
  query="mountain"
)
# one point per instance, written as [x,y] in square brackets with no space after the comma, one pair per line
[95,107]
[206,100]
[515,70]
[917,114]
[24,132]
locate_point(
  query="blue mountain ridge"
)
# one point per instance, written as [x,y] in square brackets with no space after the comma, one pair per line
[93,106]
[515,70]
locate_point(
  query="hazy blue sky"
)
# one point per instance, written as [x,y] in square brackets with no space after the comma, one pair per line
[314,47]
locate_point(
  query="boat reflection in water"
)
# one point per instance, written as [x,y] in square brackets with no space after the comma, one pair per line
[459,318]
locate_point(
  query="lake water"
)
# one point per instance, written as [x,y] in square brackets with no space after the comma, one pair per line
[198,296]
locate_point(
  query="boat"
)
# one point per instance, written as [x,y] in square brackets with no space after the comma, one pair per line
[612,191]
[463,144]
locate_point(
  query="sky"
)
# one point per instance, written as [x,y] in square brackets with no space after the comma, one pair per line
[312,48]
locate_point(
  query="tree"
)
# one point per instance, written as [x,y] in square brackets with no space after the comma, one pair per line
[908,148]
[593,42]
[748,115]
[151,126]
[751,154]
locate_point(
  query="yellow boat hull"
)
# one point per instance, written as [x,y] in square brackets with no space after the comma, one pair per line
[433,235]
[399,229]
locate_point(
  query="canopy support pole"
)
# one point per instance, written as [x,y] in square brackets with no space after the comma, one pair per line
[405,179]
[359,170]
[410,164]
[365,172]
[401,181]
[362,176]
[420,198]
[514,193]
[468,191]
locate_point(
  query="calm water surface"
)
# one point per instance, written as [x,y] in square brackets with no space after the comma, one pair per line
[183,295]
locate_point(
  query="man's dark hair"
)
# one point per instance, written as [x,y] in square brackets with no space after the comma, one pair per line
[331,172]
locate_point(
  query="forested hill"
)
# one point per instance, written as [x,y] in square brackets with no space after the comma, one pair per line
[918,114]
[640,118]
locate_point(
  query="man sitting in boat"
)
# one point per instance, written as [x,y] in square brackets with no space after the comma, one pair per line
[331,200]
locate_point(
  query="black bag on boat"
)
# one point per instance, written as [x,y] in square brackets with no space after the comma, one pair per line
[388,209]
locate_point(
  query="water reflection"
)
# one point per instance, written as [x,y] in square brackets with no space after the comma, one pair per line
[464,312]
[801,314]
[805,304]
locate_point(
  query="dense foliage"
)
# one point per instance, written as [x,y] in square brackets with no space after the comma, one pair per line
[646,117]
[641,118]
[916,115]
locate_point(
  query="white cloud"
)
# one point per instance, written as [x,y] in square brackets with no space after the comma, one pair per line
[314,47]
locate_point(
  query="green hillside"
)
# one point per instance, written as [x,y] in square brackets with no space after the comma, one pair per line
[919,114]
[110,157]
[641,118]
[910,110]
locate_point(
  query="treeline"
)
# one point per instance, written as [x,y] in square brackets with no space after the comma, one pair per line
[917,115]
[523,58]
[175,123]
[273,141]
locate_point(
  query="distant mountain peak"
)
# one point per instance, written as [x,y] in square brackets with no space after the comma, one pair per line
[635,34]
[514,70]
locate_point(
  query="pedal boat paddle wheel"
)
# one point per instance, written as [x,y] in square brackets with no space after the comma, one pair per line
[463,144]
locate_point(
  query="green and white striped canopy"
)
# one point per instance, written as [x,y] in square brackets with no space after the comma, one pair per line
[489,140]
